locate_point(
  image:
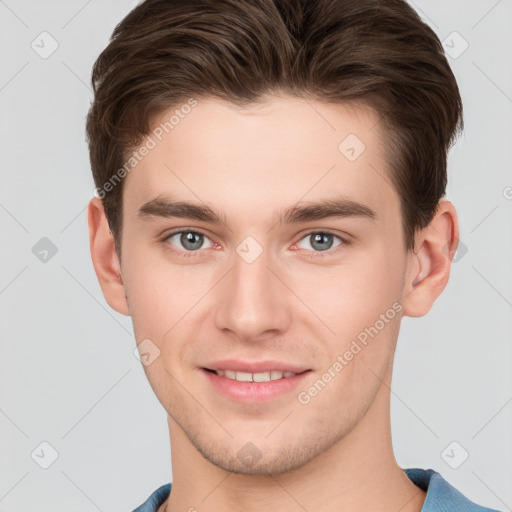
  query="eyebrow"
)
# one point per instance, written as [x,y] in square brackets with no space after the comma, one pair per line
[337,207]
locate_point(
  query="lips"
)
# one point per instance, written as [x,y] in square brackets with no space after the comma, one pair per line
[255,367]
[254,381]
[253,391]
[254,377]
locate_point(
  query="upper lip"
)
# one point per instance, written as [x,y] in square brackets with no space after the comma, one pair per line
[255,366]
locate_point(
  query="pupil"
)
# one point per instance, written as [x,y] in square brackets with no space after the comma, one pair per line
[188,239]
[322,238]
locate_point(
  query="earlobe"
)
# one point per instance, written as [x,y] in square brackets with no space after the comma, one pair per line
[430,263]
[104,258]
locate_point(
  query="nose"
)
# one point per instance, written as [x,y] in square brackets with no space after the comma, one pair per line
[253,302]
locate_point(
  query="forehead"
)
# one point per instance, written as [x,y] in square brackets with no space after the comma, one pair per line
[259,157]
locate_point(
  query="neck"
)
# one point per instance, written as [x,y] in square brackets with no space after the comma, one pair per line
[357,473]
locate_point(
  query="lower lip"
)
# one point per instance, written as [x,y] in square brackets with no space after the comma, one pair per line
[255,392]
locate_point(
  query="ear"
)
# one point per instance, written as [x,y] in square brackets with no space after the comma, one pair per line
[104,257]
[429,264]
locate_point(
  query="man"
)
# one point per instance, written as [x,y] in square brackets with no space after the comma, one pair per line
[270,179]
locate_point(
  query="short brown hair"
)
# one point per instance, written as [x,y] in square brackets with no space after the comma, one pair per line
[379,53]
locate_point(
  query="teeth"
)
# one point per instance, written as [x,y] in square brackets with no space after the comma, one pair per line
[244,377]
[254,377]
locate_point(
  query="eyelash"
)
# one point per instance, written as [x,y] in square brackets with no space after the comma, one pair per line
[316,254]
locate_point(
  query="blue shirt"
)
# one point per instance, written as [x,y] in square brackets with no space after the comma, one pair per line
[441,496]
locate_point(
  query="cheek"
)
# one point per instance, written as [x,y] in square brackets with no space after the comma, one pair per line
[162,295]
[353,294]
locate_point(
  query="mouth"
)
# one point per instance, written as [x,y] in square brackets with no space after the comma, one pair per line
[266,376]
[260,387]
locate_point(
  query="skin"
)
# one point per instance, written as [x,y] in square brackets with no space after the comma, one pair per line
[335,452]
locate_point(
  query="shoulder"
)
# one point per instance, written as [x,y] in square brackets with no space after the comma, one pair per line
[155,500]
[442,496]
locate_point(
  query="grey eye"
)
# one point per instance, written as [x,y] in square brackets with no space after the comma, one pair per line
[320,241]
[189,240]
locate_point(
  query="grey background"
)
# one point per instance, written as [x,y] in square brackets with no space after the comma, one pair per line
[68,376]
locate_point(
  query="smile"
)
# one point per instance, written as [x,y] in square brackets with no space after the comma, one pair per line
[254,377]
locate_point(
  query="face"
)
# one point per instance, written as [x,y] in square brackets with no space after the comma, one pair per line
[290,253]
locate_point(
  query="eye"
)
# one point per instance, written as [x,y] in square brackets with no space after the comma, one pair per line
[321,241]
[189,240]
